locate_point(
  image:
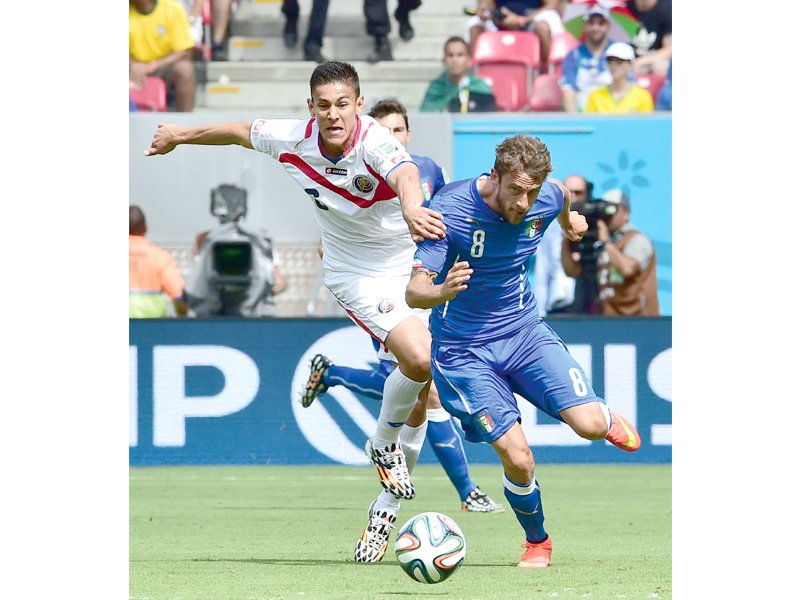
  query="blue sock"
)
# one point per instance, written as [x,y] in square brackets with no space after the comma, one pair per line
[449,450]
[526,500]
[363,381]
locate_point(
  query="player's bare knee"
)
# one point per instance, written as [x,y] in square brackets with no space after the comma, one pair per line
[417,366]
[592,427]
[520,465]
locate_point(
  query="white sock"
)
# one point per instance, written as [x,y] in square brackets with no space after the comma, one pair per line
[399,397]
[606,414]
[411,439]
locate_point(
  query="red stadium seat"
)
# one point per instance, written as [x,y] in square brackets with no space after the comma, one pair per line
[507,60]
[560,45]
[652,83]
[546,93]
[152,97]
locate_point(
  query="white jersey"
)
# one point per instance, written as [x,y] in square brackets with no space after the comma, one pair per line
[358,213]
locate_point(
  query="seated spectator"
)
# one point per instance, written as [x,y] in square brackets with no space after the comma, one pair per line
[584,69]
[194,10]
[664,101]
[160,44]
[542,17]
[458,89]
[152,273]
[622,95]
[653,41]
[312,46]
[221,11]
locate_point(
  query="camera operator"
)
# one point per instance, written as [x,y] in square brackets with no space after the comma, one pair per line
[236,270]
[614,264]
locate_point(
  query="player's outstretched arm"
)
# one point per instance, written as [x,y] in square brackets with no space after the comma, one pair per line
[168,136]
[423,223]
[422,293]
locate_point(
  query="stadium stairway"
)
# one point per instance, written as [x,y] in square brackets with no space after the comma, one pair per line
[262,75]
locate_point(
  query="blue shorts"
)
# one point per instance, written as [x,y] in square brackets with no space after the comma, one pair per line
[477,383]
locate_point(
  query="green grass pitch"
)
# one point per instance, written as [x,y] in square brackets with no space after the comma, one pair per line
[288,532]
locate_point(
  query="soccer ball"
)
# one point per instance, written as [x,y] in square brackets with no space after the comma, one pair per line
[430,547]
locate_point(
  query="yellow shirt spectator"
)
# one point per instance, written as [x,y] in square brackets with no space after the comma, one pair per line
[637,99]
[158,33]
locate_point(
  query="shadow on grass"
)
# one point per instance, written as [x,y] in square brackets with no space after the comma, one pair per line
[322,562]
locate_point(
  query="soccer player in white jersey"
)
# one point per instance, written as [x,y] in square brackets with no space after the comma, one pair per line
[368,199]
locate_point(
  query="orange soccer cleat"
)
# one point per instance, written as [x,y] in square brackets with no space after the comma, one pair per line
[623,434]
[536,555]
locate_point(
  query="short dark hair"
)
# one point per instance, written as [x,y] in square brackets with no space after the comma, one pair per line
[389,106]
[335,72]
[455,38]
[136,221]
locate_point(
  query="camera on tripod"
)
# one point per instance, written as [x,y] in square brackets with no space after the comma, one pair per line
[232,259]
[234,272]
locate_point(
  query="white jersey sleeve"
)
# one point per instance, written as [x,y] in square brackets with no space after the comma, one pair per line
[358,213]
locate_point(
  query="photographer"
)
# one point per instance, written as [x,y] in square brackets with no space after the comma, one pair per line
[614,264]
[236,270]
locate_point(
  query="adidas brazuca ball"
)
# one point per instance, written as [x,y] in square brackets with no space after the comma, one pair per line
[430,547]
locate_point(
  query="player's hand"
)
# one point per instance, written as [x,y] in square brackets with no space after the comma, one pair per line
[164,140]
[577,226]
[424,223]
[456,280]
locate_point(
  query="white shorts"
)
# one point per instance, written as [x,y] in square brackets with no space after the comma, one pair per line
[376,304]
[553,19]
[549,16]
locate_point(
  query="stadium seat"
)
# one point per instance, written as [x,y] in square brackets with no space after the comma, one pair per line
[546,93]
[652,83]
[560,45]
[507,60]
[152,97]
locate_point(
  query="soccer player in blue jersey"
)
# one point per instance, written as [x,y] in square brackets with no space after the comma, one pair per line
[489,341]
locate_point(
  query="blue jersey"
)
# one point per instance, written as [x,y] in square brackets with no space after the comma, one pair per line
[431,175]
[499,300]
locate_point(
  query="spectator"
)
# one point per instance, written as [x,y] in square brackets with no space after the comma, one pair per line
[653,41]
[542,17]
[376,13]
[664,101]
[584,69]
[622,95]
[194,10]
[458,89]
[221,11]
[152,273]
[312,46]
[241,288]
[160,44]
[626,265]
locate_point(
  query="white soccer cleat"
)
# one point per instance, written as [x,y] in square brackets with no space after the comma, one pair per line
[390,463]
[374,540]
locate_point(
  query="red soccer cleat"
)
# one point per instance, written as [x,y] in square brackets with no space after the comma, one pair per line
[623,434]
[536,556]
